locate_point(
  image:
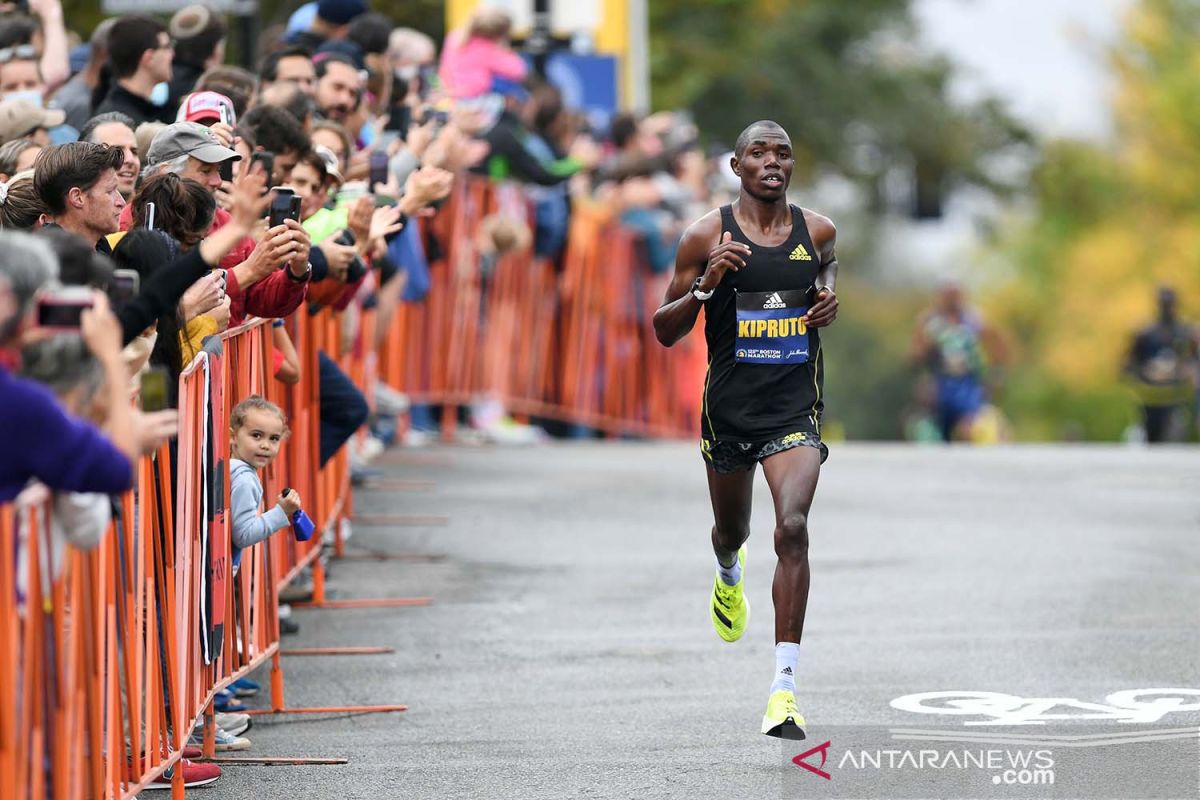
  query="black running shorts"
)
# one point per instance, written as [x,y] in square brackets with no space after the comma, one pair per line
[728,457]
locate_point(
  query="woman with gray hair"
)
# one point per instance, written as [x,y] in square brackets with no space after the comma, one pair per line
[17,156]
[41,439]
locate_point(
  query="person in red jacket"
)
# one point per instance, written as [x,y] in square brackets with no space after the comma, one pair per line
[255,283]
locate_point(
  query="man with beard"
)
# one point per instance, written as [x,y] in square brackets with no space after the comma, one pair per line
[338,85]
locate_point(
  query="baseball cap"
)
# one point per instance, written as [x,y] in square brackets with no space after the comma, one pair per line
[19,117]
[188,139]
[201,106]
[331,162]
[340,12]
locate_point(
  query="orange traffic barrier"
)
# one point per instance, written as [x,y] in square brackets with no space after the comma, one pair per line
[113,655]
[575,345]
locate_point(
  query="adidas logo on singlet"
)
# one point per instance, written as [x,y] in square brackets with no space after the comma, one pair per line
[775,301]
[800,254]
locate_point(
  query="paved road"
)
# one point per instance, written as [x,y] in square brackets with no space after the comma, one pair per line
[568,652]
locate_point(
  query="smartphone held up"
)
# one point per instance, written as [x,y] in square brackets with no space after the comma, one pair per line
[284,206]
[62,309]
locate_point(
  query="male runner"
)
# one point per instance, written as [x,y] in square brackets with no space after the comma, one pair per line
[764,272]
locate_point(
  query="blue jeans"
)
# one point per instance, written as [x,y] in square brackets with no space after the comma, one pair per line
[343,407]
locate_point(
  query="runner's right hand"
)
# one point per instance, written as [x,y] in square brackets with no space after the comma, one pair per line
[728,255]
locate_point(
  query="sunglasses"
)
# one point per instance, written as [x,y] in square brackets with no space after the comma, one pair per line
[22,52]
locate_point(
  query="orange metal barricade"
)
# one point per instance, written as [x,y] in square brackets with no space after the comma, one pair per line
[105,672]
[576,345]
[115,654]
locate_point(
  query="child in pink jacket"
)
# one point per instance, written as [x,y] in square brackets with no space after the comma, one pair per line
[474,57]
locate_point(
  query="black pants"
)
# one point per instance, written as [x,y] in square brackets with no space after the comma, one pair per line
[343,407]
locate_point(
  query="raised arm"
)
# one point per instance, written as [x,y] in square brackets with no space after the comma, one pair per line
[704,252]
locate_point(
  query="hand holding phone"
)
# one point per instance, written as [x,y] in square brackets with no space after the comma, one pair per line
[123,287]
[378,168]
[285,206]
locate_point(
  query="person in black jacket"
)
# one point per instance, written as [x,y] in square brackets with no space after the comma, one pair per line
[199,35]
[140,54]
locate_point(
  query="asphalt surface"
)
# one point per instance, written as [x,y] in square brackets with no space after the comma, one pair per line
[568,650]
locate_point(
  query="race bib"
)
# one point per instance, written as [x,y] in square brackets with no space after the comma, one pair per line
[771,328]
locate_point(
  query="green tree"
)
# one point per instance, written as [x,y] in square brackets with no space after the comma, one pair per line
[856,95]
[1111,224]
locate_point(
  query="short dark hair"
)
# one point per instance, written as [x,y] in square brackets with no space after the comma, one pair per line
[371,31]
[292,100]
[268,70]
[622,128]
[197,32]
[17,29]
[329,57]
[314,160]
[743,139]
[276,130]
[246,135]
[89,127]
[129,39]
[234,82]
[64,166]
[184,208]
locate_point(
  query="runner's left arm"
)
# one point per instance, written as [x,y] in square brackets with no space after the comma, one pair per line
[824,235]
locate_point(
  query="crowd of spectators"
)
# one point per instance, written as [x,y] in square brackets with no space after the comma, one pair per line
[137,154]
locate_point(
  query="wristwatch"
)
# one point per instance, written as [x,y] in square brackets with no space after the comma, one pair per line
[699,295]
[302,278]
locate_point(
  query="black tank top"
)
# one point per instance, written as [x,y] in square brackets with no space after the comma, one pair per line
[764,368]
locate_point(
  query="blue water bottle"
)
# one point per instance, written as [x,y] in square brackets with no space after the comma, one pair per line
[302,526]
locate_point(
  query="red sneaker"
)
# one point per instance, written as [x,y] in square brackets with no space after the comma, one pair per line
[193,775]
[193,752]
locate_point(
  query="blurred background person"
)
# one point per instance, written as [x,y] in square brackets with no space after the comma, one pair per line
[198,33]
[140,54]
[954,344]
[1164,370]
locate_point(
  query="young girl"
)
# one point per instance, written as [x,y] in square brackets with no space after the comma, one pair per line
[257,428]
[475,57]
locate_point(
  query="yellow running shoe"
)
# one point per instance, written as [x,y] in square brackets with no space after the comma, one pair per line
[729,605]
[782,720]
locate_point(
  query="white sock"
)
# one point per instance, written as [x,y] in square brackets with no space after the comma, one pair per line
[786,656]
[730,575]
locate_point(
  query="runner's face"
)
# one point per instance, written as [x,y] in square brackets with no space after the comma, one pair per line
[766,164]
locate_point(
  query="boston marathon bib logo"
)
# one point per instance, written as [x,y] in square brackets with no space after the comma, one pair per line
[771,327]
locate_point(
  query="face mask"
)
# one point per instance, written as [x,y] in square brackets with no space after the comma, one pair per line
[32,95]
[406,73]
[159,94]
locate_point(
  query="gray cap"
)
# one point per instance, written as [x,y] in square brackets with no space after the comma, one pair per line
[188,139]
